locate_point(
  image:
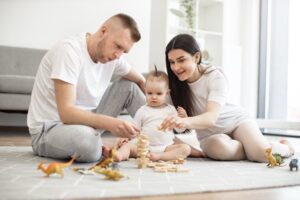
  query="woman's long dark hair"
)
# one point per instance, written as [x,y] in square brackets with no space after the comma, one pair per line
[181,93]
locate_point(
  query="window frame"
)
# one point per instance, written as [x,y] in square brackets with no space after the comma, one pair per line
[269,126]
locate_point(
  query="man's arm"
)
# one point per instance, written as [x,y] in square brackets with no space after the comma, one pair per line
[70,114]
[136,77]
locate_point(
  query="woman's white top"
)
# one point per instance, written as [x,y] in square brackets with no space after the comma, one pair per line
[213,86]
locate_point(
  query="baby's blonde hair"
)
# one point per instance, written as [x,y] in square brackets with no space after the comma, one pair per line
[157,75]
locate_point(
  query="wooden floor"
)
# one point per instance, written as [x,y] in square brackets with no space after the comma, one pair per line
[20,137]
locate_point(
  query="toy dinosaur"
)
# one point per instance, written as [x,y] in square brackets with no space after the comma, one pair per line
[55,167]
[104,163]
[294,164]
[110,174]
[115,166]
[279,158]
[273,159]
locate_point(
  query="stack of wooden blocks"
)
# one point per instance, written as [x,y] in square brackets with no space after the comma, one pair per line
[143,151]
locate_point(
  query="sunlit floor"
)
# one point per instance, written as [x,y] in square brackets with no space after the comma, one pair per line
[19,137]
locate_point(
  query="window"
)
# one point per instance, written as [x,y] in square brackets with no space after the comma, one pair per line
[279,73]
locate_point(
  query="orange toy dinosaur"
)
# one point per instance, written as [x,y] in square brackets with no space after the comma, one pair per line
[271,159]
[55,167]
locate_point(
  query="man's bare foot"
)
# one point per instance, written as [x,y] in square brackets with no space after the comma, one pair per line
[286,142]
[105,151]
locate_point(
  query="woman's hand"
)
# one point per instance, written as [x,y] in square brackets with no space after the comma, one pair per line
[174,122]
[181,112]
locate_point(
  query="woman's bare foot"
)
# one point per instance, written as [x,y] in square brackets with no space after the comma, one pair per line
[286,142]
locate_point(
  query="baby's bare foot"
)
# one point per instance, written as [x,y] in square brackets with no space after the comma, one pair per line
[198,154]
[154,157]
[118,157]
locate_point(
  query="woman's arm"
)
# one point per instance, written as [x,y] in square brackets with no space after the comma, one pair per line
[203,121]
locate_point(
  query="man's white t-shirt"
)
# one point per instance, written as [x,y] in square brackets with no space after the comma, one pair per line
[70,62]
[213,86]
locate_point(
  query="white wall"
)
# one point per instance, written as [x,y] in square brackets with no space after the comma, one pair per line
[158,34]
[41,23]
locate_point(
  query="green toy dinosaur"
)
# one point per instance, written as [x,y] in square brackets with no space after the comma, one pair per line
[273,159]
[279,158]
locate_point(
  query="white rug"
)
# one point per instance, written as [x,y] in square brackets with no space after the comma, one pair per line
[20,179]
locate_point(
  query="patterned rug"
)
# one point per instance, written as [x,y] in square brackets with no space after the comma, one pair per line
[20,178]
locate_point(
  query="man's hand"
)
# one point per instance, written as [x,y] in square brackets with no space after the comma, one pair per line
[124,129]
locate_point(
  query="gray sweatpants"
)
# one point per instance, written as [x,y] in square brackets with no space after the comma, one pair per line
[61,141]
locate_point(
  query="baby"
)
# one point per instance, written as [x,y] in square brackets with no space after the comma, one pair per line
[149,117]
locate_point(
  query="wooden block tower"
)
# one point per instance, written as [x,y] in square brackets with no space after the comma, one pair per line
[143,151]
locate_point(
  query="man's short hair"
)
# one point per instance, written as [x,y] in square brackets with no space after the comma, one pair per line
[130,23]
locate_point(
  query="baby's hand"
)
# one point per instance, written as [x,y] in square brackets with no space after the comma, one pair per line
[181,112]
[172,122]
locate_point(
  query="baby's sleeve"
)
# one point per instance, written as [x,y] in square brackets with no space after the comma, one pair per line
[138,117]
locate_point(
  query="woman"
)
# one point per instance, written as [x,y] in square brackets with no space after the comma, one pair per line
[225,131]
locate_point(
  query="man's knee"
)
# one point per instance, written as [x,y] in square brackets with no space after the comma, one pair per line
[135,98]
[89,156]
[89,152]
[88,146]
[126,84]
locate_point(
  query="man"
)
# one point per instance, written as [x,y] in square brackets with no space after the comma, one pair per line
[72,102]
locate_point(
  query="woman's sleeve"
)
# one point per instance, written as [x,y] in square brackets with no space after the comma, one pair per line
[218,89]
